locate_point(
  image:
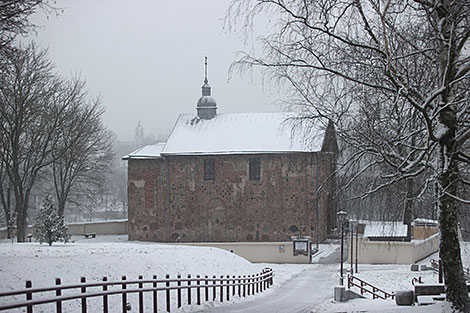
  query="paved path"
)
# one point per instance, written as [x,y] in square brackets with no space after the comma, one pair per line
[300,294]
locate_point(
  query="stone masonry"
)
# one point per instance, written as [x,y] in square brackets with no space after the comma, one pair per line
[170,201]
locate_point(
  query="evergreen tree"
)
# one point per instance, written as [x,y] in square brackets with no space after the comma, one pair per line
[50,226]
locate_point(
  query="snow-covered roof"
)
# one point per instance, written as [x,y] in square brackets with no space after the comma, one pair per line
[424,222]
[243,133]
[384,229]
[147,152]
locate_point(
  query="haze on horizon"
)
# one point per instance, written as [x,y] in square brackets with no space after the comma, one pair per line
[146,61]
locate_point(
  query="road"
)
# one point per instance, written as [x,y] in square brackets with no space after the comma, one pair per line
[300,294]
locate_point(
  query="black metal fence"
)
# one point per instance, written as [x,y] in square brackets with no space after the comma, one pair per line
[203,289]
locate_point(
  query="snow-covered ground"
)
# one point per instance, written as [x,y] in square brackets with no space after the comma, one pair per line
[114,256]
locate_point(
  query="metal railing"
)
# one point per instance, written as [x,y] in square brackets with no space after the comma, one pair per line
[368,288]
[437,267]
[202,288]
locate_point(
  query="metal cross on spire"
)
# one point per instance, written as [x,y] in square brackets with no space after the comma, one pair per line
[205,66]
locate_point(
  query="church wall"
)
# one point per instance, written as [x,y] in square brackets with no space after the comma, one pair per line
[147,200]
[231,207]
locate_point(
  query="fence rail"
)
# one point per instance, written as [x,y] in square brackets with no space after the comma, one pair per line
[206,289]
[368,288]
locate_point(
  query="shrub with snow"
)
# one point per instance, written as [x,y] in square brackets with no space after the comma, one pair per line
[50,226]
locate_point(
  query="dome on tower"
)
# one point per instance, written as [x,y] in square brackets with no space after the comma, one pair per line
[206,102]
[206,105]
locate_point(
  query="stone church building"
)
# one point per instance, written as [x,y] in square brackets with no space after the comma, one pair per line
[234,177]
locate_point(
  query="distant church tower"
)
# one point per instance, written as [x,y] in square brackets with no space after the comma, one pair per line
[206,105]
[139,135]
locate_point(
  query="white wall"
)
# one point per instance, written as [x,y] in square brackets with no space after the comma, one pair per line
[393,252]
[117,227]
[259,252]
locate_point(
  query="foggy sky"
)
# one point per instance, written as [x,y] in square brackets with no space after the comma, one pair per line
[146,59]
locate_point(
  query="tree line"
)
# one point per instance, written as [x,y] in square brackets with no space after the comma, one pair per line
[51,133]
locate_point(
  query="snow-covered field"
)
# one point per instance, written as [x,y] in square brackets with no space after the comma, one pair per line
[114,256]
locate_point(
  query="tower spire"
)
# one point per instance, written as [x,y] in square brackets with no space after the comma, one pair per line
[206,88]
[206,106]
[205,68]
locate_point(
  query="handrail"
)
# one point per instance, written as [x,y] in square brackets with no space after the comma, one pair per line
[247,285]
[375,292]
[435,267]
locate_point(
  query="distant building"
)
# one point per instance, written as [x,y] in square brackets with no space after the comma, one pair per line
[233,177]
[139,135]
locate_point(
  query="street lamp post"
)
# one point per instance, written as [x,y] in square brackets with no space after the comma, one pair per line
[353,226]
[351,246]
[357,237]
[341,218]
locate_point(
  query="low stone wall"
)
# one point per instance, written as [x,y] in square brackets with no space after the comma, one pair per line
[392,252]
[259,252]
[116,227]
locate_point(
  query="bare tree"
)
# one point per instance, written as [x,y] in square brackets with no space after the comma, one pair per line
[5,196]
[34,106]
[14,18]
[379,135]
[329,52]
[84,155]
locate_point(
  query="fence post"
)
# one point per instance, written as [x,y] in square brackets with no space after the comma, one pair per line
[207,289]
[167,293]
[257,283]
[239,285]
[234,283]
[261,281]
[124,295]
[178,291]
[198,290]
[248,286]
[29,296]
[141,296]
[58,293]
[228,288]
[83,281]
[189,289]
[244,286]
[155,307]
[441,280]
[213,288]
[105,297]
[221,288]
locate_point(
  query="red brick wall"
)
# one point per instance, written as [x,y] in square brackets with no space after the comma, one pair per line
[147,200]
[232,207]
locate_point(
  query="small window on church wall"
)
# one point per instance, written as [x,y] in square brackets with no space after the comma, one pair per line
[255,169]
[209,170]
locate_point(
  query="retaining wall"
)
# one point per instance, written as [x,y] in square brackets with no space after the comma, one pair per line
[115,227]
[393,252]
[259,252]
